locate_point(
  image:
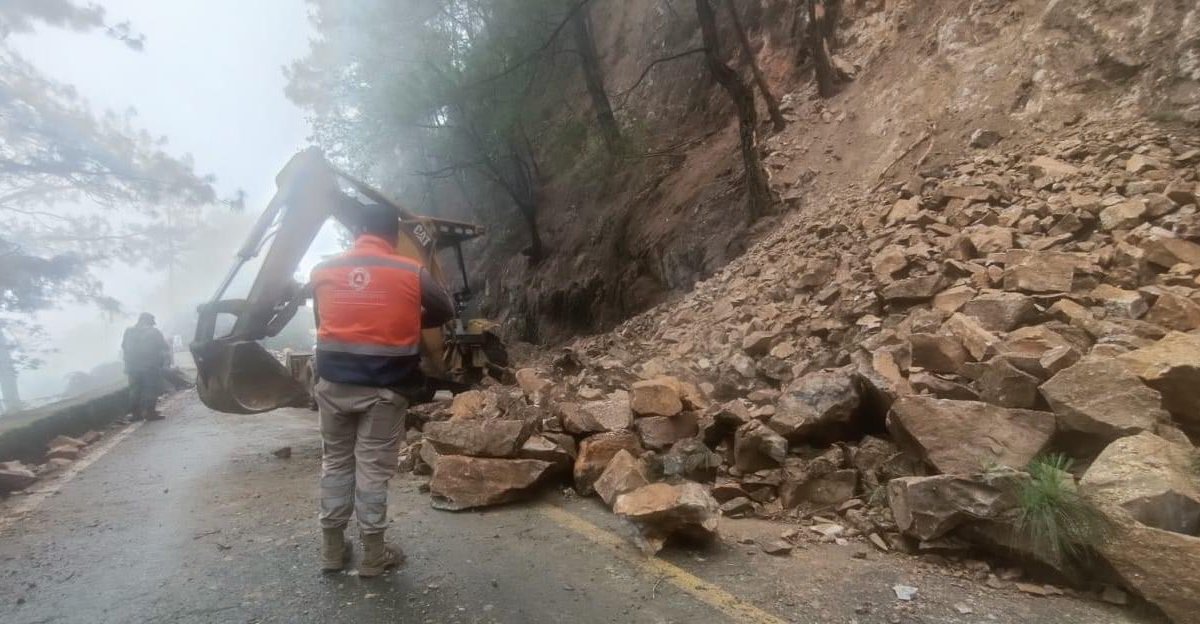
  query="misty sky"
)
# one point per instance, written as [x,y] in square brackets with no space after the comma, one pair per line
[210,80]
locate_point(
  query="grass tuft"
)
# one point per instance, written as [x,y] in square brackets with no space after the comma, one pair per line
[1053,515]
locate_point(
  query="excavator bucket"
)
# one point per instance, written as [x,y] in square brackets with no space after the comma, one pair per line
[243,378]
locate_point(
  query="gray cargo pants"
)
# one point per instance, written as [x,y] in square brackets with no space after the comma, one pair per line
[360,435]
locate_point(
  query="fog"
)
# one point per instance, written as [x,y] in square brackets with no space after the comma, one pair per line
[208,77]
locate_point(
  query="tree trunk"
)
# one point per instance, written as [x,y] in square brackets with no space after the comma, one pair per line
[594,77]
[9,390]
[757,190]
[764,88]
[818,26]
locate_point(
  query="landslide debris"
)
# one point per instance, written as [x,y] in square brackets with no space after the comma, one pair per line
[889,366]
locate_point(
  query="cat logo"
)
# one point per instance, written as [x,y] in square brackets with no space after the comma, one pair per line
[359,278]
[422,236]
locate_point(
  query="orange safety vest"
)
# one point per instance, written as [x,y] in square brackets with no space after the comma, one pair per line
[369,302]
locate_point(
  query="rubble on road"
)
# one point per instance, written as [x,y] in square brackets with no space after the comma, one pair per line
[993,309]
[15,476]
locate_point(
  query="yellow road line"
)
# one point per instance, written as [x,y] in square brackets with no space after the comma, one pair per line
[735,608]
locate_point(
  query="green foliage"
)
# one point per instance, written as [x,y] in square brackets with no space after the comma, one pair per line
[1053,516]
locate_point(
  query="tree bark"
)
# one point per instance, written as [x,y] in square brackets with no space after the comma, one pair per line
[764,88]
[9,390]
[757,190]
[593,76]
[818,27]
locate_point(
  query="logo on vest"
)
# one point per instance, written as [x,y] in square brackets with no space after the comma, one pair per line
[359,278]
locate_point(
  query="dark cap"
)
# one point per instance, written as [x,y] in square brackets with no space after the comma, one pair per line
[379,220]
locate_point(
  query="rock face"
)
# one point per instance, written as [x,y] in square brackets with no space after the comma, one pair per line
[820,407]
[931,507]
[656,397]
[1102,398]
[15,476]
[623,474]
[1150,489]
[1172,367]
[596,451]
[478,438]
[461,482]
[963,437]
[662,510]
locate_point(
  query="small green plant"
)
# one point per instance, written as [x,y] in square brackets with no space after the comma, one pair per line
[1054,517]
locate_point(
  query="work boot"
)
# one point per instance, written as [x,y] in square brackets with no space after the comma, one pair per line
[335,551]
[378,555]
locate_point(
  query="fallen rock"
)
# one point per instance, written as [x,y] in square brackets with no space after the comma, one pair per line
[530,382]
[544,448]
[62,440]
[614,413]
[963,437]
[1174,312]
[468,404]
[1172,367]
[1001,311]
[1119,302]
[1167,252]
[1007,386]
[1101,397]
[624,473]
[927,508]
[596,451]
[913,289]
[478,438]
[1123,216]
[1039,271]
[660,432]
[757,446]
[937,353]
[691,460]
[662,510]
[821,407]
[1149,489]
[977,340]
[15,476]
[63,452]
[461,482]
[825,490]
[283,452]
[656,397]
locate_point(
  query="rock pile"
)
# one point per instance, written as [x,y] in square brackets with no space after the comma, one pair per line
[60,453]
[890,367]
[971,318]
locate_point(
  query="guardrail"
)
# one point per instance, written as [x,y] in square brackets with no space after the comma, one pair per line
[23,435]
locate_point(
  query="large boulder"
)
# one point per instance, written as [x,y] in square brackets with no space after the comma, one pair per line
[614,413]
[819,407]
[937,353]
[1001,311]
[478,438]
[596,451]
[1040,271]
[1149,488]
[1100,397]
[656,397]
[963,437]
[931,507]
[623,474]
[757,447]
[15,476]
[660,432]
[461,482]
[548,449]
[1172,367]
[662,510]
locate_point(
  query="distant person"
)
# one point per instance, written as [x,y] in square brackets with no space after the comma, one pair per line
[146,355]
[370,305]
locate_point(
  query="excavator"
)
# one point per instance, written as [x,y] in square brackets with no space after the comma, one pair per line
[235,374]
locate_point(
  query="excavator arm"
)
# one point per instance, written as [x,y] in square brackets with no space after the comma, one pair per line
[234,373]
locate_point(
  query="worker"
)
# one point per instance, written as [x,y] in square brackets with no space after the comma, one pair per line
[370,305]
[146,356]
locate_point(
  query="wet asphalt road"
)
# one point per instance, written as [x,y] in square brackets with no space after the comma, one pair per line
[193,520]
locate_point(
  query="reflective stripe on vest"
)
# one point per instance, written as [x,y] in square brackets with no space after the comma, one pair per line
[369,301]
